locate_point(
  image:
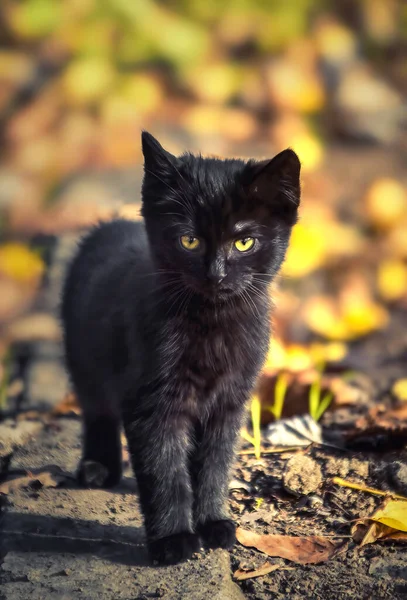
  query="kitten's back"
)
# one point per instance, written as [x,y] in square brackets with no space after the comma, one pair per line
[99,280]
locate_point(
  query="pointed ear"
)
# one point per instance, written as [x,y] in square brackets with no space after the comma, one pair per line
[276,183]
[155,157]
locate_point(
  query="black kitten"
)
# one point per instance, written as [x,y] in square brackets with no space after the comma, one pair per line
[166,328]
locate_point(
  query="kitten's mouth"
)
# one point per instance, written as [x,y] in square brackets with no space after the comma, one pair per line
[214,293]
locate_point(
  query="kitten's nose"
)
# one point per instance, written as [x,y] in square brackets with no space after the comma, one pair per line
[216,279]
[216,272]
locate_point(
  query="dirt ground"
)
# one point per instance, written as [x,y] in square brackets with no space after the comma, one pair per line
[60,541]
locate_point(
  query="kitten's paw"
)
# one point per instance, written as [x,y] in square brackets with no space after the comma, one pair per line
[218,534]
[174,548]
[92,473]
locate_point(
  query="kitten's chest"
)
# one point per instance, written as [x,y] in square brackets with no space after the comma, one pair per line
[211,356]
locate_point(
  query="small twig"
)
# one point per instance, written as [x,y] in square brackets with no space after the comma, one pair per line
[273,451]
[362,488]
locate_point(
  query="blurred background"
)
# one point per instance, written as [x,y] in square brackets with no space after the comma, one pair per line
[79,79]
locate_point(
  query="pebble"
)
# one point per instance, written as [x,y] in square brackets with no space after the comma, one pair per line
[302,475]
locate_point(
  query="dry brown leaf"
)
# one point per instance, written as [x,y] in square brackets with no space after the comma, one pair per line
[47,479]
[364,534]
[68,407]
[241,574]
[303,550]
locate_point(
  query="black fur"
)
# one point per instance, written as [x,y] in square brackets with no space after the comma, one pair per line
[170,341]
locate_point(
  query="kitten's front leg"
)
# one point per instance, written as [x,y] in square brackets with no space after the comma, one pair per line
[159,445]
[210,469]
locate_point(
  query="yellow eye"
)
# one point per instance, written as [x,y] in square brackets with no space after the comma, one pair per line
[244,244]
[189,242]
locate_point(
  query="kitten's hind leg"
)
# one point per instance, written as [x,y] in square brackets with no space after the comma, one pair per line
[101,463]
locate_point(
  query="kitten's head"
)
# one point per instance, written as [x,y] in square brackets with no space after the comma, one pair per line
[219,226]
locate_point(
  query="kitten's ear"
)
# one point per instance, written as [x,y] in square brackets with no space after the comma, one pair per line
[276,182]
[155,157]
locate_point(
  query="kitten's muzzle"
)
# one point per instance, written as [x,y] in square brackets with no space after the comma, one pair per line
[215,279]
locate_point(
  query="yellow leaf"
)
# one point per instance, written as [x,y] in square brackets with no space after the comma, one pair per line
[215,83]
[276,356]
[399,389]
[20,263]
[388,522]
[298,358]
[351,318]
[143,91]
[335,42]
[331,352]
[386,203]
[34,19]
[392,279]
[295,88]
[87,80]
[180,40]
[363,318]
[307,251]
[322,317]
[309,150]
[393,514]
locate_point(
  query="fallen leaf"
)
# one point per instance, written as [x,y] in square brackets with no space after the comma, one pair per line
[67,407]
[87,80]
[392,279]
[353,316]
[143,91]
[293,87]
[241,574]
[378,531]
[392,513]
[385,215]
[303,550]
[335,42]
[389,521]
[20,263]
[46,479]
[300,430]
[399,390]
[307,251]
[214,83]
[236,484]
